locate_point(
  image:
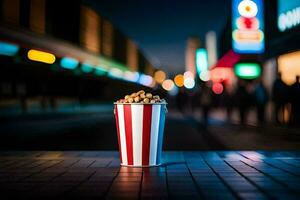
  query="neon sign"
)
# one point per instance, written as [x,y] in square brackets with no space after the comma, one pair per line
[247,26]
[247,70]
[288,14]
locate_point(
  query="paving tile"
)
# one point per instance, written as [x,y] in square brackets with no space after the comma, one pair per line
[185,175]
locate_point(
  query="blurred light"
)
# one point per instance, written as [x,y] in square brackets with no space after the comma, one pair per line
[131,76]
[211,46]
[247,70]
[174,91]
[247,8]
[201,60]
[189,83]
[179,80]
[87,68]
[115,73]
[205,75]
[288,67]
[159,76]
[188,74]
[100,72]
[217,88]
[41,56]
[145,80]
[8,49]
[220,74]
[168,84]
[69,63]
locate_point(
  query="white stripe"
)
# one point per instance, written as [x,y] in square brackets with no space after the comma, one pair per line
[154,133]
[122,133]
[137,133]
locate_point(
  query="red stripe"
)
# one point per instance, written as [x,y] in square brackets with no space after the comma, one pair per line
[147,116]
[118,131]
[128,133]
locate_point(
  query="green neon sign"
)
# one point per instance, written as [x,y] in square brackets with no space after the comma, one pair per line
[247,70]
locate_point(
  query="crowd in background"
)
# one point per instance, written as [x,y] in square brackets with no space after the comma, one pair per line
[246,96]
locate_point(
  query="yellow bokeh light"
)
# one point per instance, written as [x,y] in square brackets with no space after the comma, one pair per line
[168,84]
[179,80]
[41,56]
[159,76]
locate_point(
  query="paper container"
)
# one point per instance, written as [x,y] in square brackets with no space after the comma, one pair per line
[140,129]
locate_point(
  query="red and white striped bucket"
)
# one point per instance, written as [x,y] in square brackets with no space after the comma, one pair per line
[140,130]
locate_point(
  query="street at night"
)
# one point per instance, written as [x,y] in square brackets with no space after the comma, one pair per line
[93,128]
[156,99]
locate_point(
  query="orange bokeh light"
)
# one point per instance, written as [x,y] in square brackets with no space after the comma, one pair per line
[159,76]
[179,80]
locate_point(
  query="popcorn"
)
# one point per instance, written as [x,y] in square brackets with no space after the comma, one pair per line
[130,100]
[141,97]
[149,95]
[156,97]
[152,101]
[137,99]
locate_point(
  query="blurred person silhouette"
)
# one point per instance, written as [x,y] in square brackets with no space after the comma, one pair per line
[181,100]
[279,97]
[228,102]
[261,99]
[205,102]
[295,101]
[243,101]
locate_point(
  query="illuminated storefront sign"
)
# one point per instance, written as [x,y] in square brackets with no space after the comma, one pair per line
[288,14]
[247,26]
[247,70]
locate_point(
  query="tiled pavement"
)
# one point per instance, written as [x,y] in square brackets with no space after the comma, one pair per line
[185,175]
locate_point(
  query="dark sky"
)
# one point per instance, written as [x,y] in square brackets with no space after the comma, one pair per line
[161,28]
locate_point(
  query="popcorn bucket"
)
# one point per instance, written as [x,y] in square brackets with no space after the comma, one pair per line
[140,129]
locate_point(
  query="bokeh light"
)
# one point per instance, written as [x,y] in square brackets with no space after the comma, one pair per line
[115,73]
[8,49]
[168,84]
[217,88]
[69,63]
[131,76]
[87,68]
[159,76]
[189,83]
[204,76]
[179,80]
[145,80]
[188,74]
